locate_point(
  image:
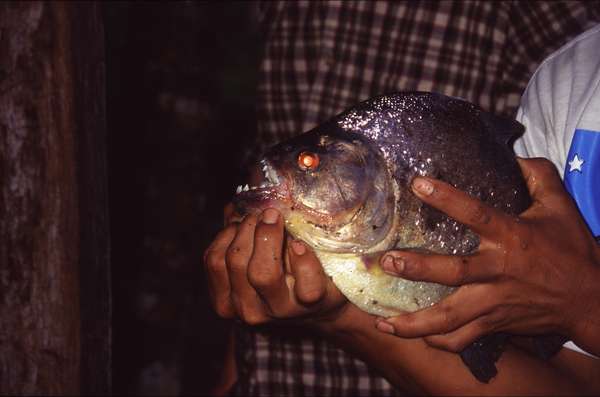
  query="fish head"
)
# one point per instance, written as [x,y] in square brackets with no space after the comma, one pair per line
[332,188]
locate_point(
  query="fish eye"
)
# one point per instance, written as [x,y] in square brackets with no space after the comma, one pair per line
[308,161]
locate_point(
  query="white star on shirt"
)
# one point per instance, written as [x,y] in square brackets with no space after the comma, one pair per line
[576,163]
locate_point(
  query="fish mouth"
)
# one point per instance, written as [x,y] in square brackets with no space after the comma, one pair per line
[267,188]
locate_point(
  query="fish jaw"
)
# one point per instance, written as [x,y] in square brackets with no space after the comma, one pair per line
[266,189]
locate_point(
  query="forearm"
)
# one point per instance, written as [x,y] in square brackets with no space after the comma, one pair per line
[412,365]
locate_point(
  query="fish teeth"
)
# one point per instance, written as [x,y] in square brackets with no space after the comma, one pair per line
[270,181]
[270,174]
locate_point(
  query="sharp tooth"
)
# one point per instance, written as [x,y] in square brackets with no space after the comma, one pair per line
[238,190]
[273,177]
[246,188]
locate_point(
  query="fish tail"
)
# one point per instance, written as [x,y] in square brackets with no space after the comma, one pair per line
[481,356]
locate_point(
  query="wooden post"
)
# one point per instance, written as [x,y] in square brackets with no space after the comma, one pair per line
[54,264]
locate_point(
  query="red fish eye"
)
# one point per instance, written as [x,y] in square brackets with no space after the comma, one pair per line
[308,160]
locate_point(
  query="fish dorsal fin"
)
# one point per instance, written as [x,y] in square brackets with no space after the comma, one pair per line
[505,129]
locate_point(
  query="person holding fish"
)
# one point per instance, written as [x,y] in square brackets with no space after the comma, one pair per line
[539,272]
[256,278]
[255,287]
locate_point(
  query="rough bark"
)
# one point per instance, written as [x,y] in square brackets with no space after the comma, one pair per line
[53,217]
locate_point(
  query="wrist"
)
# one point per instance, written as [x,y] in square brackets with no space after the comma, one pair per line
[348,321]
[585,330]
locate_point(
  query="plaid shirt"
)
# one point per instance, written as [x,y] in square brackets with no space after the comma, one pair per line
[321,57]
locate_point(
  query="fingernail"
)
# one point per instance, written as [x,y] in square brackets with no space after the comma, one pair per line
[386,327]
[422,186]
[298,248]
[387,263]
[270,216]
[392,265]
[399,264]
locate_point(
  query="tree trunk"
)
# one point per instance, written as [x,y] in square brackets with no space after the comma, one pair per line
[54,268]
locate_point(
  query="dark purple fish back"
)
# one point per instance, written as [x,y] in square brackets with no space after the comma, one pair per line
[430,134]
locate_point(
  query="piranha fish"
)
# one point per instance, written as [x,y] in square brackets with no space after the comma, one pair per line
[344,189]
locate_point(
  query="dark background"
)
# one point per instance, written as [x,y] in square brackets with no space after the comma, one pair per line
[180,111]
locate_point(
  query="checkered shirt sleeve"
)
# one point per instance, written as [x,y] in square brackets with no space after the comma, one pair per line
[321,57]
[283,362]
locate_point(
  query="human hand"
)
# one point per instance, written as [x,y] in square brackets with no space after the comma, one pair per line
[532,273]
[253,276]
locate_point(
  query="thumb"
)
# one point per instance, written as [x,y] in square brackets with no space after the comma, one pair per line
[541,176]
[310,285]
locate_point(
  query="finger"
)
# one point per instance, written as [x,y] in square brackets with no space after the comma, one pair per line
[230,215]
[456,310]
[453,270]
[216,272]
[310,285]
[239,252]
[246,301]
[265,269]
[544,183]
[457,340]
[286,253]
[481,218]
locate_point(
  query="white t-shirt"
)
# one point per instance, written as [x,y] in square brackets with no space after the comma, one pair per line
[561,112]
